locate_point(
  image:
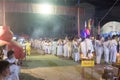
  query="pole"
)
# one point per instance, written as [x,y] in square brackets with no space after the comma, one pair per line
[78,22]
[99,28]
[4,13]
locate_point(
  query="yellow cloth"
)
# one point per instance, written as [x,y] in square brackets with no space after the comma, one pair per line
[28,48]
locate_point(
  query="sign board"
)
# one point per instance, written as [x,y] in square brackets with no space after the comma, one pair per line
[87,63]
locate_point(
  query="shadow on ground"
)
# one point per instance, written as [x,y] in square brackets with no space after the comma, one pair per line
[24,76]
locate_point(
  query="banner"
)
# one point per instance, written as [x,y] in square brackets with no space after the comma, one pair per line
[87,63]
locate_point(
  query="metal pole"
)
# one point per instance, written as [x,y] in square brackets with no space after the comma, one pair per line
[78,22]
[99,28]
[4,23]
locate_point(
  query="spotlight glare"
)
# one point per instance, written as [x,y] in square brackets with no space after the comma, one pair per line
[46,9]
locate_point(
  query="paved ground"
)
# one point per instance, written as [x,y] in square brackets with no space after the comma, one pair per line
[49,67]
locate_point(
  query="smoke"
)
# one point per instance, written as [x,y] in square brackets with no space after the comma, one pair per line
[50,27]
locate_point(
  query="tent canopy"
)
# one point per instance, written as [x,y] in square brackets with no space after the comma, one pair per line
[112,26]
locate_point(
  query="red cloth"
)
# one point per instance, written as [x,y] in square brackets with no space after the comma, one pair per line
[6,36]
[2,42]
[18,50]
[5,33]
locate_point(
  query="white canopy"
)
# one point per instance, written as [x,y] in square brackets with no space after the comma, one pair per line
[112,26]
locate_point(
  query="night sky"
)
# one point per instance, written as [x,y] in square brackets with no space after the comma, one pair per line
[38,25]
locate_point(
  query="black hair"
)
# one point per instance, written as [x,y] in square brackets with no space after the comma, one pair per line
[106,38]
[9,53]
[3,65]
[113,37]
[98,37]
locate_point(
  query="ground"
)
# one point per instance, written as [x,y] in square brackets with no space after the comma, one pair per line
[50,67]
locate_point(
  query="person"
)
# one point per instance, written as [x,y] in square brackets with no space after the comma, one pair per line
[70,48]
[106,50]
[1,53]
[18,50]
[4,70]
[54,47]
[89,47]
[5,49]
[99,49]
[65,47]
[14,68]
[28,47]
[60,47]
[76,55]
[83,48]
[113,50]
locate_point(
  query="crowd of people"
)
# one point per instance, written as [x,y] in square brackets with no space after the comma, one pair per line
[97,48]
[84,47]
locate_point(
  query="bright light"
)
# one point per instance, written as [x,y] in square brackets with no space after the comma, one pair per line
[118,54]
[14,38]
[46,9]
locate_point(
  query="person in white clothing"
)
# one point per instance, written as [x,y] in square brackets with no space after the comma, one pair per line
[99,49]
[75,50]
[83,48]
[70,49]
[4,70]
[106,50]
[14,68]
[60,47]
[65,47]
[5,50]
[89,47]
[54,47]
[113,50]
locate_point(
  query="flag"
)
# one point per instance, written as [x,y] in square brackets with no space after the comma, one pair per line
[99,28]
[89,23]
[92,23]
[85,24]
[92,27]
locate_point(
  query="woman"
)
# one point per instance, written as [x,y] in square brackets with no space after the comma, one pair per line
[4,70]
